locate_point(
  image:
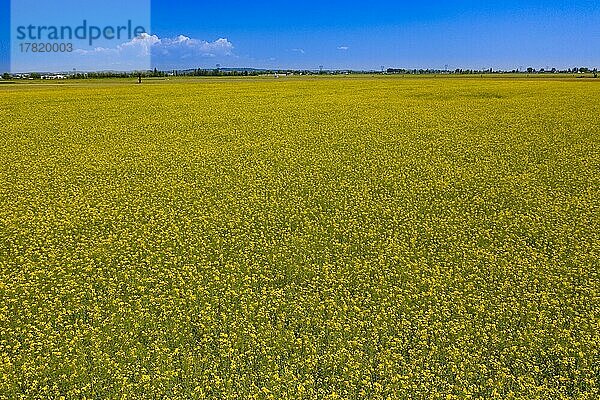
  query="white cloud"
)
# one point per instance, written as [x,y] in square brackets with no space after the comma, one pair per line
[185,47]
[343,48]
[301,51]
[140,46]
[177,52]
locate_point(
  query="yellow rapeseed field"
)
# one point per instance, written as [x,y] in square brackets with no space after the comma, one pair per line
[300,238]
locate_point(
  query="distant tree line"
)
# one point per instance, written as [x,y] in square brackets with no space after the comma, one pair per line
[250,72]
[155,73]
[219,72]
[458,71]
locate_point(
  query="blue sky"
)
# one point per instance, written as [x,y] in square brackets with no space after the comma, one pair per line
[341,34]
